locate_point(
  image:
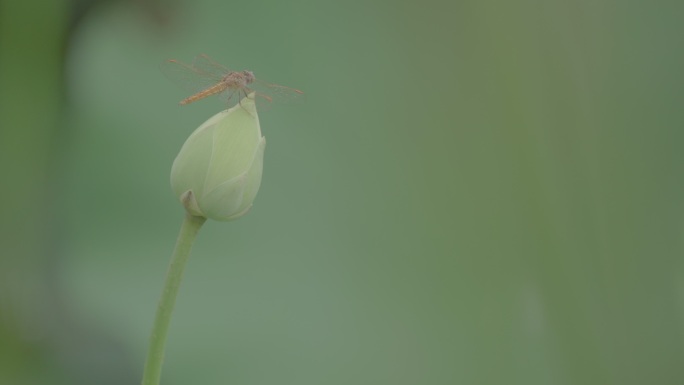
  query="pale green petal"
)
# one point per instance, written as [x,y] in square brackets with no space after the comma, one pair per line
[218,171]
[234,143]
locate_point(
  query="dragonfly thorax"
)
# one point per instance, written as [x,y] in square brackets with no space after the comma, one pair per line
[238,78]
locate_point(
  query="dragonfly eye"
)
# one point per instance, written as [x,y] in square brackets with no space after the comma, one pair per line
[249,76]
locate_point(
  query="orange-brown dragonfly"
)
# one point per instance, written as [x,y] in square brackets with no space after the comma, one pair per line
[205,77]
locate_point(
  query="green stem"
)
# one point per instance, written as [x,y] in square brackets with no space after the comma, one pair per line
[155,355]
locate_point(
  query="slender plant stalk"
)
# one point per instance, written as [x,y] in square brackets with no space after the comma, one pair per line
[155,355]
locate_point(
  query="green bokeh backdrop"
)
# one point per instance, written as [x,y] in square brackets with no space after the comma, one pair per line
[472,192]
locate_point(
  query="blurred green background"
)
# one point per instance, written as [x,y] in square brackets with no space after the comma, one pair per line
[473,192]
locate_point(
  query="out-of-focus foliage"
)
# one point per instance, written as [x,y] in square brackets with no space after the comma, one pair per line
[476,192]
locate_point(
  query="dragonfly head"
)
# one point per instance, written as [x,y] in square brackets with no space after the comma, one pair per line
[249,76]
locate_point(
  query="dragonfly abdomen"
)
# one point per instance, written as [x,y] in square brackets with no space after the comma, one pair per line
[213,90]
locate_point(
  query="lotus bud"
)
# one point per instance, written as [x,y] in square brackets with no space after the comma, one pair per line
[218,170]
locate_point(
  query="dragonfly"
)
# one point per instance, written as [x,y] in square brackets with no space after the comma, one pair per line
[206,77]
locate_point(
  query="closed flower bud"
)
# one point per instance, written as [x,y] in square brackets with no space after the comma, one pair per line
[218,170]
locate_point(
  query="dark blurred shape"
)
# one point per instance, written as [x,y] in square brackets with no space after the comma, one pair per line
[41,339]
[153,10]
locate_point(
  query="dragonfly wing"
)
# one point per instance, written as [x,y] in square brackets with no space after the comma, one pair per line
[188,77]
[229,96]
[270,92]
[207,65]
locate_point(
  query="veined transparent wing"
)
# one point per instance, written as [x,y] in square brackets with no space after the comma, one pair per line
[208,65]
[193,78]
[275,93]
